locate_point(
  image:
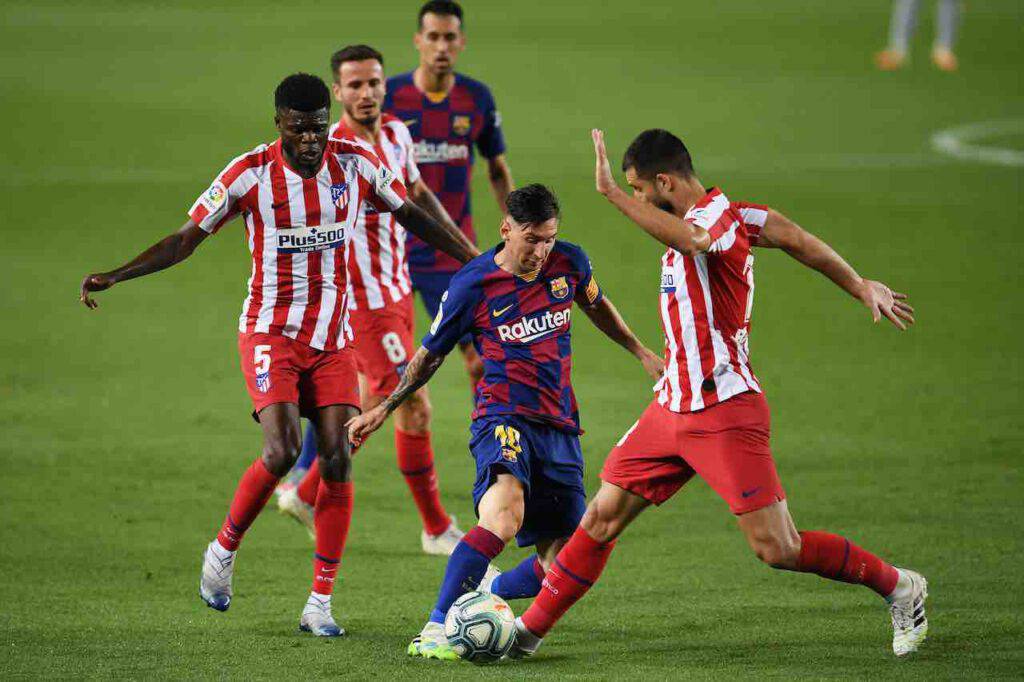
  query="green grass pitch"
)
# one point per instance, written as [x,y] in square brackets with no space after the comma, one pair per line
[125,429]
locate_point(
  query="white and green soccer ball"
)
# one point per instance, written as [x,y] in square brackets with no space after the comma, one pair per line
[480,627]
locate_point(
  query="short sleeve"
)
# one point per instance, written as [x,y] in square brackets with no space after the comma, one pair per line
[383,188]
[455,315]
[753,216]
[221,200]
[588,292]
[491,141]
[720,222]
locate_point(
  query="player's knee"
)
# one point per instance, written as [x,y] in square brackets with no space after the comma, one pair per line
[601,522]
[417,414]
[334,460]
[279,454]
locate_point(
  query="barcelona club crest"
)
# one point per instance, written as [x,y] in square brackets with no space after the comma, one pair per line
[339,195]
[461,125]
[559,288]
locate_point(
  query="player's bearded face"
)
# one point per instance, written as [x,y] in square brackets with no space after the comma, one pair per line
[303,134]
[529,244]
[439,42]
[360,89]
[648,191]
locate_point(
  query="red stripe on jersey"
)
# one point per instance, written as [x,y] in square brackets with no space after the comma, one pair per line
[674,335]
[256,289]
[314,261]
[282,219]
[336,330]
[700,318]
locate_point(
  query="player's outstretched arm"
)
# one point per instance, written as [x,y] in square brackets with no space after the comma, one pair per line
[169,251]
[782,233]
[446,237]
[670,230]
[606,317]
[417,373]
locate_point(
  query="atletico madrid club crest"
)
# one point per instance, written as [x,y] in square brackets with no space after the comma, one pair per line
[461,125]
[559,288]
[339,195]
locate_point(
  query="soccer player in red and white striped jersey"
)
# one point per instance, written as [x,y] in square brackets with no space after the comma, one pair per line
[380,295]
[299,196]
[709,417]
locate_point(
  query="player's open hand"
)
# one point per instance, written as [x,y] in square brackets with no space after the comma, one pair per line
[360,427]
[881,300]
[603,179]
[653,364]
[92,283]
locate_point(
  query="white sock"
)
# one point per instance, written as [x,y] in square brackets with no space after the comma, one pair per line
[904,587]
[320,602]
[219,550]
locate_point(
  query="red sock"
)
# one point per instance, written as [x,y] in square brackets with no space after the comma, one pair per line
[416,462]
[253,491]
[574,571]
[332,515]
[310,483]
[836,558]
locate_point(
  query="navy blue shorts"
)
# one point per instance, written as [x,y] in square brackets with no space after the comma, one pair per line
[431,287]
[547,461]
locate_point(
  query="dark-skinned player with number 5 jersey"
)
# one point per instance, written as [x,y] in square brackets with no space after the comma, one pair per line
[709,417]
[300,197]
[515,301]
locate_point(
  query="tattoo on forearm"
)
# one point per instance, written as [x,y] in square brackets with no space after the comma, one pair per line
[417,373]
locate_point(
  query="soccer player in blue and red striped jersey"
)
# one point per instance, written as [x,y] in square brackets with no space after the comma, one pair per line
[515,301]
[450,117]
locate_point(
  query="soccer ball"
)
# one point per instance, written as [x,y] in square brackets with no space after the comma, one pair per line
[480,627]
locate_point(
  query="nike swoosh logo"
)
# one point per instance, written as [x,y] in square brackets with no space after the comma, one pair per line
[409,122]
[499,313]
[748,493]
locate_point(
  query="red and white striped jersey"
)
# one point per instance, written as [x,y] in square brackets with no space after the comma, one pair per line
[377,265]
[706,301]
[296,229]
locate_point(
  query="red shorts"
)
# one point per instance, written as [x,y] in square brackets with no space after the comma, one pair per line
[383,344]
[278,369]
[726,445]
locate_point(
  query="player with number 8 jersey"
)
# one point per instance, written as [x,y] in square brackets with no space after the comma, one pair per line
[300,197]
[380,295]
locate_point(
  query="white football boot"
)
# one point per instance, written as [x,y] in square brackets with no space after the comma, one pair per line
[432,643]
[526,643]
[488,579]
[443,544]
[317,618]
[290,504]
[215,580]
[909,623]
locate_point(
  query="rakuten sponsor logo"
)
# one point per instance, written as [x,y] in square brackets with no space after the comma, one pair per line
[532,328]
[440,152]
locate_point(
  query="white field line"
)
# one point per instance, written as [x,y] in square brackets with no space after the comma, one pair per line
[962,142]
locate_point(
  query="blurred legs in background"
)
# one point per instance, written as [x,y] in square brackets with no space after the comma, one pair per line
[901,29]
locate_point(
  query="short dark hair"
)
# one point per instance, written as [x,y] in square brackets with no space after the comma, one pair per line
[657,151]
[444,8]
[353,53]
[302,92]
[532,204]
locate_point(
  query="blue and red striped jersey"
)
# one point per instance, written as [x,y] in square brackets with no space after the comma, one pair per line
[521,328]
[445,132]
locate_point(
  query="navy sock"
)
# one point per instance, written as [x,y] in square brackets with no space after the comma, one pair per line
[308,448]
[521,582]
[466,567]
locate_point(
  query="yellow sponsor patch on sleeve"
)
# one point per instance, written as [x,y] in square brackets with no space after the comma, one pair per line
[592,290]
